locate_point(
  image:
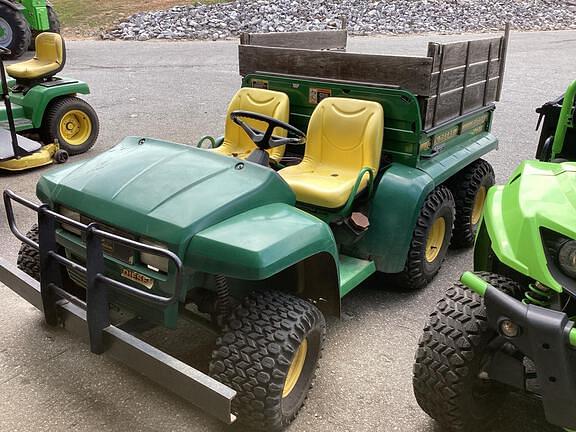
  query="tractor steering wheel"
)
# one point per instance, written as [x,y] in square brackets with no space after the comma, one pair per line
[266,140]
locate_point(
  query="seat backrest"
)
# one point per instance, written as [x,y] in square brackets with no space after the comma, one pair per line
[271,103]
[50,48]
[346,133]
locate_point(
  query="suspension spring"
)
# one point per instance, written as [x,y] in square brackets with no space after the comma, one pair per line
[223,299]
[538,294]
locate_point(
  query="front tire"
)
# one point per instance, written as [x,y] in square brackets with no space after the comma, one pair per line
[29,258]
[15,33]
[268,353]
[451,354]
[430,241]
[73,122]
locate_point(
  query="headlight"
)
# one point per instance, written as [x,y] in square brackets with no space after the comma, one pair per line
[70,214]
[154,261]
[567,258]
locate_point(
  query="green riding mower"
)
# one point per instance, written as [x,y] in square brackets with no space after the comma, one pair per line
[325,175]
[41,105]
[509,326]
[21,21]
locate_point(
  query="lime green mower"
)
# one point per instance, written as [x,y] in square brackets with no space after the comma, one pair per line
[509,326]
[40,104]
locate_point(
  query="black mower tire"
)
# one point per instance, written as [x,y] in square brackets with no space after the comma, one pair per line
[450,355]
[29,258]
[468,186]
[54,115]
[55,27]
[254,355]
[21,34]
[418,270]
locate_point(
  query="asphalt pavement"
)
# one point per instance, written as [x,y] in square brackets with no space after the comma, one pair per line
[178,91]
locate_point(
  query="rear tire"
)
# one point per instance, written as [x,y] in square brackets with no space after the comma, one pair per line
[73,122]
[268,353]
[469,188]
[430,241]
[450,356]
[28,257]
[15,33]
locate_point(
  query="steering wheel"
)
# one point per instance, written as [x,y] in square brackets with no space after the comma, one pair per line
[266,140]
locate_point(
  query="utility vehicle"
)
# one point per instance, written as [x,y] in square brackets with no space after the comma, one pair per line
[39,103]
[22,20]
[510,325]
[333,166]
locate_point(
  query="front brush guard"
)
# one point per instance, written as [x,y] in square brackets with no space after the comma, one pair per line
[545,336]
[90,319]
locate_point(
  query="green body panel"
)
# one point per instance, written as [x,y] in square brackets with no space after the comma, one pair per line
[400,194]
[260,243]
[36,14]
[163,191]
[353,272]
[33,104]
[538,195]
[475,283]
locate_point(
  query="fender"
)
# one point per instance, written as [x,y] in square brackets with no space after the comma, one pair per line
[13,5]
[263,242]
[37,99]
[396,205]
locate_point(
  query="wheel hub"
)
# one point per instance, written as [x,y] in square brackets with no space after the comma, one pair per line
[295,370]
[6,33]
[478,205]
[435,239]
[75,127]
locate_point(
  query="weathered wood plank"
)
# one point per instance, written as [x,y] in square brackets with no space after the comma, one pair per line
[314,40]
[410,73]
[454,78]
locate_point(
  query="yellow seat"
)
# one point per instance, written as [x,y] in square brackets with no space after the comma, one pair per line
[344,136]
[271,103]
[48,61]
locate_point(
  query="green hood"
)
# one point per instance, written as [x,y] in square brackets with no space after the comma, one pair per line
[538,195]
[161,190]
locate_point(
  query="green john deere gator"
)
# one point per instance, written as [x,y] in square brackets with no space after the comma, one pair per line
[509,327]
[22,20]
[334,166]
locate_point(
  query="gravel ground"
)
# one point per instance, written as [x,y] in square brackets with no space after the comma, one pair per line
[364,17]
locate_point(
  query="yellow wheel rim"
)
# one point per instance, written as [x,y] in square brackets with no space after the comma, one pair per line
[295,369]
[478,205]
[435,239]
[75,127]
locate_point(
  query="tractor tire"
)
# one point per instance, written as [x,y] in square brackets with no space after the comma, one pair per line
[268,353]
[28,257]
[71,121]
[450,356]
[430,241]
[469,188]
[55,27]
[15,33]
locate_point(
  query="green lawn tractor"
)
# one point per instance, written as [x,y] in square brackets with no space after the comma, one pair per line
[21,21]
[509,326]
[37,103]
[333,167]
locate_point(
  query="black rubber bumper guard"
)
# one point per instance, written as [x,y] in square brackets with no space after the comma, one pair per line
[90,319]
[544,337]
